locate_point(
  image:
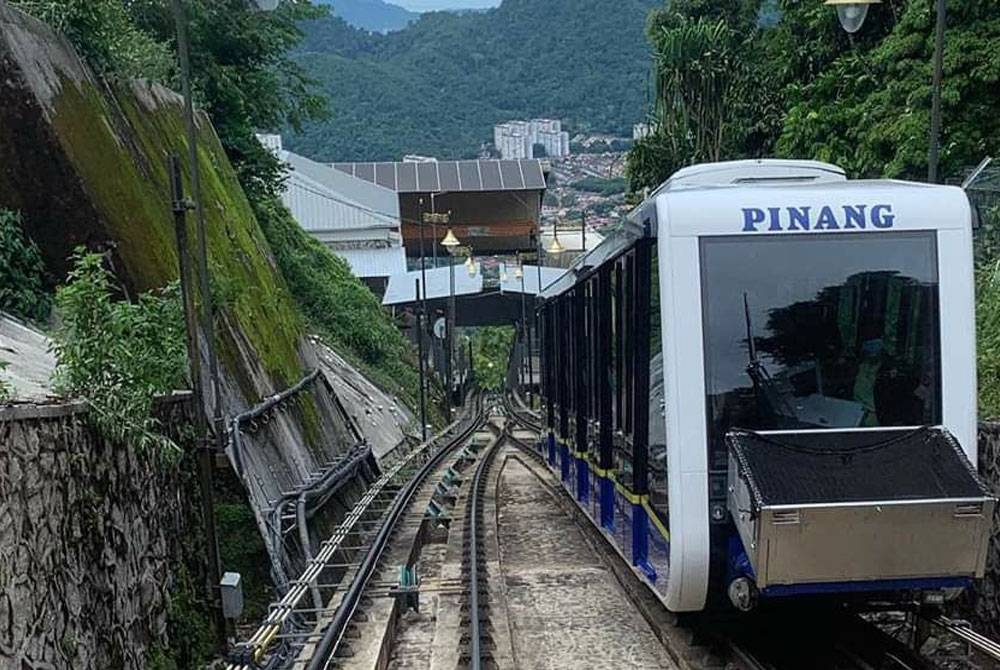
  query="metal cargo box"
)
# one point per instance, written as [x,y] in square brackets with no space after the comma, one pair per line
[830,507]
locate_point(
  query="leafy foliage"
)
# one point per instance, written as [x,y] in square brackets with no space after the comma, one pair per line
[338,305]
[106,34]
[810,90]
[22,274]
[438,86]
[117,355]
[988,337]
[6,390]
[490,352]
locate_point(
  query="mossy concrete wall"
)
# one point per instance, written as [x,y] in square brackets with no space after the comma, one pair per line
[101,546]
[982,604]
[86,163]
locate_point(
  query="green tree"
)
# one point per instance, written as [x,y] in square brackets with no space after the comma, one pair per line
[22,274]
[116,355]
[491,347]
[869,108]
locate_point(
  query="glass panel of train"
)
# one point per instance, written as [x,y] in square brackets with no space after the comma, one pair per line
[820,331]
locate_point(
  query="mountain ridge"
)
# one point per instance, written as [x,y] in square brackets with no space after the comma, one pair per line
[438,86]
[374,15]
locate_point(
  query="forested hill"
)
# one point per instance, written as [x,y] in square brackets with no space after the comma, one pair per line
[438,86]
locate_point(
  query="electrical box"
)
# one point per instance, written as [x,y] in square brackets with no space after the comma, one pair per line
[231,588]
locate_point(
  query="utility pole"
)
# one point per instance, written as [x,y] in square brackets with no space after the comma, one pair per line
[206,454]
[420,350]
[935,139]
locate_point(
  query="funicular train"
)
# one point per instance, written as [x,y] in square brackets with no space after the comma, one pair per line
[763,386]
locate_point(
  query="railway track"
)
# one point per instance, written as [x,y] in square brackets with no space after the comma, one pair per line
[799,638]
[301,633]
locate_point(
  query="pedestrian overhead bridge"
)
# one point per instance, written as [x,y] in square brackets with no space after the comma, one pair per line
[491,297]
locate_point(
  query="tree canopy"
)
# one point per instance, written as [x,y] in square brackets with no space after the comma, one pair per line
[804,88]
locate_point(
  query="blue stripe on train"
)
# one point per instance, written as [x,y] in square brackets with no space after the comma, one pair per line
[781,590]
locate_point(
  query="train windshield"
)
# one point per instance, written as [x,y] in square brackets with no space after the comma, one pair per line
[821,331]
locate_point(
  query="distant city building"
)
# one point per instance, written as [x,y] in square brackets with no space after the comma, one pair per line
[517,139]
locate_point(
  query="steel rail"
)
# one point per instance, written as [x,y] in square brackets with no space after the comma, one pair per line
[254,649]
[478,484]
[334,632]
[964,632]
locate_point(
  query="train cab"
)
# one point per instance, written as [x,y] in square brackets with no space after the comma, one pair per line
[763,386]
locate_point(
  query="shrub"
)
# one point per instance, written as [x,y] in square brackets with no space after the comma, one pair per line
[22,284]
[117,355]
[337,305]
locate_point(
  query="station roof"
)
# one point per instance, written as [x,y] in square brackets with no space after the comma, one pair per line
[324,199]
[374,262]
[402,287]
[451,176]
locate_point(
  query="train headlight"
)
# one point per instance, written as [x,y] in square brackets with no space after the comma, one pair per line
[852,13]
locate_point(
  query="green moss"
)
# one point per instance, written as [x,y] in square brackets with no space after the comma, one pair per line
[125,174]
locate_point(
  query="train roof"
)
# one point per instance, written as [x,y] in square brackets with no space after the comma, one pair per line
[712,199]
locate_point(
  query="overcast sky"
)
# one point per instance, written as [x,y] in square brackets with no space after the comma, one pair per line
[428,5]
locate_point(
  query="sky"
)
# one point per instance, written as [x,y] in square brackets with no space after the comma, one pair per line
[429,5]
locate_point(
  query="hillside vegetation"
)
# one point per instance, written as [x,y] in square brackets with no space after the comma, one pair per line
[438,86]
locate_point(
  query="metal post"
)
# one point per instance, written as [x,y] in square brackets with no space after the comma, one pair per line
[180,207]
[935,139]
[449,358]
[583,230]
[420,353]
[207,312]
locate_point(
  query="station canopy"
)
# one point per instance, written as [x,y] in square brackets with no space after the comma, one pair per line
[494,205]
[451,176]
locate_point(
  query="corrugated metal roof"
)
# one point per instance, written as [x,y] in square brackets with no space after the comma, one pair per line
[323,199]
[30,363]
[374,262]
[402,287]
[454,176]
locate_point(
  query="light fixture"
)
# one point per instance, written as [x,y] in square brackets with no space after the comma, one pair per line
[555,248]
[852,13]
[450,240]
[470,264]
[518,273]
[472,269]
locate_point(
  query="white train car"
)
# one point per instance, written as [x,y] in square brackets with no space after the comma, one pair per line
[764,386]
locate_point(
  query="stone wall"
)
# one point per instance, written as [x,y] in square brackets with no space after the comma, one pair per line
[95,540]
[982,604]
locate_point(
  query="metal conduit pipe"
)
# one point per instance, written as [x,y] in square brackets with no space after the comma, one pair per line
[283,611]
[307,547]
[335,631]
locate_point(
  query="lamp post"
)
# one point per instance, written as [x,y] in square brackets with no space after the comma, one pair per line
[852,13]
[449,242]
[935,138]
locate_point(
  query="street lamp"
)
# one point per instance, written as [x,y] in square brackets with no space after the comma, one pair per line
[852,13]
[450,242]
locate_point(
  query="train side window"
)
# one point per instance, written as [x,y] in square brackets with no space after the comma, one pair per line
[658,496]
